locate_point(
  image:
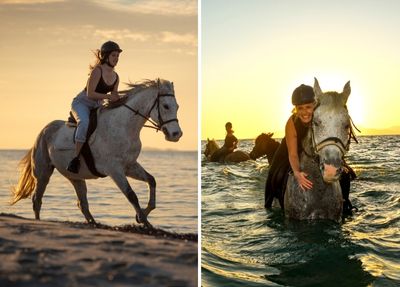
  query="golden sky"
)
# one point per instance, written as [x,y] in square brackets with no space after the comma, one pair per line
[46,48]
[255,53]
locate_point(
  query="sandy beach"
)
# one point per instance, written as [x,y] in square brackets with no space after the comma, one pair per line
[47,253]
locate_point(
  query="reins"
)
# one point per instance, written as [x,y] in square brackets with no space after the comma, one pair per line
[136,112]
[335,141]
[157,126]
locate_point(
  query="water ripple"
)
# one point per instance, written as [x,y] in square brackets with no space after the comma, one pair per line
[245,245]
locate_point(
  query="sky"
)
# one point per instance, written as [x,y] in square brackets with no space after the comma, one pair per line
[255,53]
[46,47]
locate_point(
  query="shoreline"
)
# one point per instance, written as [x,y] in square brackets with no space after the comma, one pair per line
[52,253]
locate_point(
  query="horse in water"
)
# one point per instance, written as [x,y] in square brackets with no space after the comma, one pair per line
[211,153]
[115,146]
[324,147]
[264,145]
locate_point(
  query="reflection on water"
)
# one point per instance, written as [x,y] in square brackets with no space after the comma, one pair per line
[176,209]
[245,245]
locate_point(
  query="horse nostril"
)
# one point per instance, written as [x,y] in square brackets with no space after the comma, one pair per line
[175,134]
[339,170]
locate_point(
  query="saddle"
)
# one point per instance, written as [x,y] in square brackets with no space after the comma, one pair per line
[86,151]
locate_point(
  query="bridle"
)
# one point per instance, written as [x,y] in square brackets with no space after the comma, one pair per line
[335,141]
[157,126]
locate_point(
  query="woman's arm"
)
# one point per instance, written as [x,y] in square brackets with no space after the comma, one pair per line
[92,83]
[291,142]
[235,142]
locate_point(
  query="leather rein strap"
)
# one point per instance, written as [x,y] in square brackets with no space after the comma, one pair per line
[334,140]
[157,126]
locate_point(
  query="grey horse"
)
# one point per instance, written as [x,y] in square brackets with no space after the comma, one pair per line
[324,147]
[115,147]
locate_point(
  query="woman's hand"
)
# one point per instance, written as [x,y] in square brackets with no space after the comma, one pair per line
[302,180]
[113,96]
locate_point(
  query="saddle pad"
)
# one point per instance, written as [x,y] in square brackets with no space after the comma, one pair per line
[65,138]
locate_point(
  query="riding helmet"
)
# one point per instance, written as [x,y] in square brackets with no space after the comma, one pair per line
[303,94]
[109,47]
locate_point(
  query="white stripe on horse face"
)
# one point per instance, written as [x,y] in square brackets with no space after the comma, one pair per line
[331,122]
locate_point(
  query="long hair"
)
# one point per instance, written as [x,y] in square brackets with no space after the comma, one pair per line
[98,61]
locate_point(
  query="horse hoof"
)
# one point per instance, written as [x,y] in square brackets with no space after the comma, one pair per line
[148,225]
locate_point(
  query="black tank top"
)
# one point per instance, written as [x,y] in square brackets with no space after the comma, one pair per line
[102,86]
[301,131]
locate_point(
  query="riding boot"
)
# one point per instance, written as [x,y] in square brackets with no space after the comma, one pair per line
[74,165]
[347,208]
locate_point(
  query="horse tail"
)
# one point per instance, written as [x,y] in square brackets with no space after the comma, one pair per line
[27,181]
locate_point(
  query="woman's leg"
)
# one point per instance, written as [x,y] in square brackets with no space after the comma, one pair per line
[81,114]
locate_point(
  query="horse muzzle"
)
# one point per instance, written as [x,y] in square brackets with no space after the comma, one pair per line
[330,173]
[253,155]
[172,135]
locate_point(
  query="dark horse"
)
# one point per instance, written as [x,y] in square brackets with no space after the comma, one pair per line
[264,145]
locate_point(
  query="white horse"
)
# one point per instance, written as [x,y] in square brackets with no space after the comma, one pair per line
[322,159]
[115,146]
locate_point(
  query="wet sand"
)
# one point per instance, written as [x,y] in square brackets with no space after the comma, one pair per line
[47,253]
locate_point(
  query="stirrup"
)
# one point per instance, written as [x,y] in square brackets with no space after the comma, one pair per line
[74,165]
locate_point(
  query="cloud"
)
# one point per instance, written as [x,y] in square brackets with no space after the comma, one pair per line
[155,7]
[61,34]
[124,34]
[186,39]
[30,2]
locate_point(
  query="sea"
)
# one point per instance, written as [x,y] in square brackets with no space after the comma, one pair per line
[176,194]
[243,244]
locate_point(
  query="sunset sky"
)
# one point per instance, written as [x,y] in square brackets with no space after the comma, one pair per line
[255,53]
[46,48]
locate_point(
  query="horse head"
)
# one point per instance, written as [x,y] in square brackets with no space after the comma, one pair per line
[264,145]
[331,130]
[211,147]
[164,111]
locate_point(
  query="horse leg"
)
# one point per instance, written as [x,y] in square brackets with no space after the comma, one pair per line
[41,184]
[42,171]
[123,184]
[83,204]
[136,171]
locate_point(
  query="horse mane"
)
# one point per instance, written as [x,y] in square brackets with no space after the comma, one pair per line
[265,137]
[134,88]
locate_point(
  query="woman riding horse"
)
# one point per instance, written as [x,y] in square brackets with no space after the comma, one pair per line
[102,84]
[286,157]
[229,145]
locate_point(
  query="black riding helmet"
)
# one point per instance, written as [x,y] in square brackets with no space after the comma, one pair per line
[303,94]
[107,48]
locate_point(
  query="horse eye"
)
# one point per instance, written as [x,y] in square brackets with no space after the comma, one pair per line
[316,124]
[166,107]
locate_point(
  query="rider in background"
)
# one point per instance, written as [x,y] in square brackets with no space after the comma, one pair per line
[286,157]
[229,146]
[102,84]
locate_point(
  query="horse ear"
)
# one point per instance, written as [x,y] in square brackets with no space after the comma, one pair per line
[208,139]
[317,89]
[346,92]
[270,134]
